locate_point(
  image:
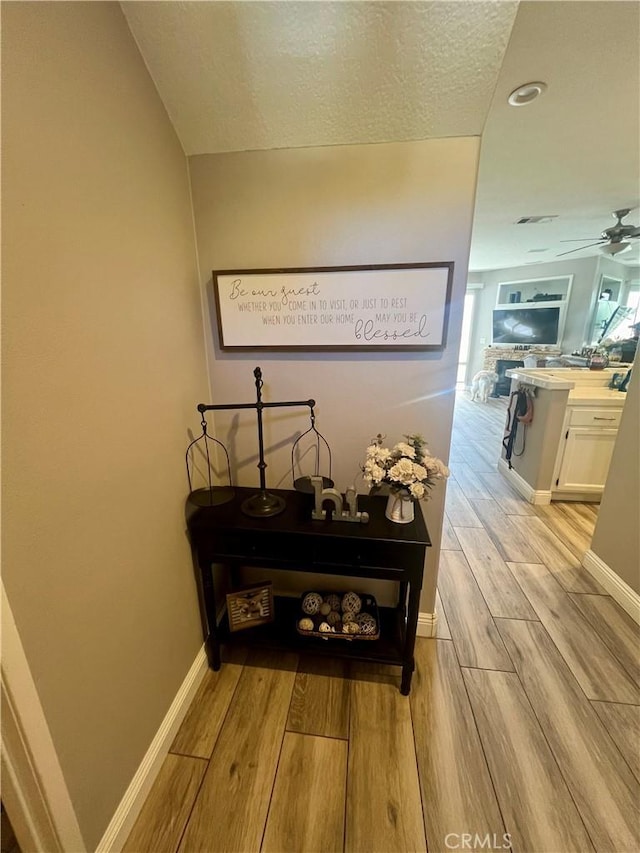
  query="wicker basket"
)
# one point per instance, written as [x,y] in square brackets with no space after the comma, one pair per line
[369,605]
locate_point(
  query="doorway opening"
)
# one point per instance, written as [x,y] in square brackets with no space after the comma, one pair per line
[462,380]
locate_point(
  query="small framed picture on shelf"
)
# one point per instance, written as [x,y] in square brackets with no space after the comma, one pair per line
[250,606]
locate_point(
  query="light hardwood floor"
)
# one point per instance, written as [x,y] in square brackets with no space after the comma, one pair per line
[521,728]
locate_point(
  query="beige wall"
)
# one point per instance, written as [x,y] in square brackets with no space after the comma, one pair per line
[361,204]
[616,539]
[103,364]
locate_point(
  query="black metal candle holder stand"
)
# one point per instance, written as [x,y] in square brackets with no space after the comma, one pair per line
[263,504]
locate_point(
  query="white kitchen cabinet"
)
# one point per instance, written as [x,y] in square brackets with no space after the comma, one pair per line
[587,442]
[585,455]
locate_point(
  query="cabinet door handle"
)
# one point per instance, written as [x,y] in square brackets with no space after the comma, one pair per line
[596,418]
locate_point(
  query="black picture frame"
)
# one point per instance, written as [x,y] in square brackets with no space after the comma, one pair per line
[359,308]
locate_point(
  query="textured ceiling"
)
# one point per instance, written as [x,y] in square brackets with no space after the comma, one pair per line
[250,75]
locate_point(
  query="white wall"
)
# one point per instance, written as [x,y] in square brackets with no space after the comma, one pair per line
[358,204]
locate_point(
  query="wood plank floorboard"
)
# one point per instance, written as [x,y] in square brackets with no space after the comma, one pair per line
[572,536]
[384,809]
[231,809]
[615,627]
[502,593]
[472,628]
[320,700]
[564,565]
[596,669]
[582,516]
[509,501]
[164,815]
[601,783]
[457,792]
[449,540]
[509,539]
[477,461]
[458,507]
[543,816]
[200,728]
[623,724]
[306,814]
[469,482]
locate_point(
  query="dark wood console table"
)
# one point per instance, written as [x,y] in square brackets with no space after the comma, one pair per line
[291,541]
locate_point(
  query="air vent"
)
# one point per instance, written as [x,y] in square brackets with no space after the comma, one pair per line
[534,220]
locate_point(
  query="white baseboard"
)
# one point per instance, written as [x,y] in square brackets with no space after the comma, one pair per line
[534,496]
[125,815]
[620,591]
[427,624]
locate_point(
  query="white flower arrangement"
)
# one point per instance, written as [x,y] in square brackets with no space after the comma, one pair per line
[407,467]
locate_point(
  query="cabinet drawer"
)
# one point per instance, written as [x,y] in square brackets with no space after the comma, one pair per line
[609,418]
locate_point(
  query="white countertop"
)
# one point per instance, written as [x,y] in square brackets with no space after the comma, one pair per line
[596,396]
[536,377]
[586,387]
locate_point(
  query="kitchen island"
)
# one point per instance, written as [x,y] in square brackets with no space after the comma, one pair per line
[564,453]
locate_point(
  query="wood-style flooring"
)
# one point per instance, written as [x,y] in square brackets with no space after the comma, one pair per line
[521,731]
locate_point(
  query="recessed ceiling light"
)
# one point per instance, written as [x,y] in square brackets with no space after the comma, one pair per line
[525,94]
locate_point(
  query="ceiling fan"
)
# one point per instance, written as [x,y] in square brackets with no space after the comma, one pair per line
[613,240]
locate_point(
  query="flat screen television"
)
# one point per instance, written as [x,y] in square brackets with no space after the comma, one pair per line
[526,325]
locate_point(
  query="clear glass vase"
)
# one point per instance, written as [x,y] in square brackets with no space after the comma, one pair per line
[400,508]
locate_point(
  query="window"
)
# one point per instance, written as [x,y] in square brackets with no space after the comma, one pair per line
[465,340]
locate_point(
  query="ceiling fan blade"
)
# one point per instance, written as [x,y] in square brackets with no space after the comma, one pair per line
[599,243]
[577,240]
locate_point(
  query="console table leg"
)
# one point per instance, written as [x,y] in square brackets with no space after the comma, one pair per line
[213,653]
[209,596]
[410,642]
[407,672]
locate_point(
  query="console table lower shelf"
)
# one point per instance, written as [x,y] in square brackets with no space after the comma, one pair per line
[293,542]
[281,635]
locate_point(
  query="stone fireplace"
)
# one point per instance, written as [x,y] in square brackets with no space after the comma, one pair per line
[503,358]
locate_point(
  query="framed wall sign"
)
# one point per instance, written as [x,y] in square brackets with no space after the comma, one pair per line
[362,308]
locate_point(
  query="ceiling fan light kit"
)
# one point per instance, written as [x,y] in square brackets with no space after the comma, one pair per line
[526,93]
[614,240]
[615,248]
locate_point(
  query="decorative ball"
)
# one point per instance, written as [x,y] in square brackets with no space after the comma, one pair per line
[325,628]
[333,600]
[305,624]
[311,603]
[325,608]
[351,628]
[351,602]
[338,627]
[366,623]
[348,616]
[333,617]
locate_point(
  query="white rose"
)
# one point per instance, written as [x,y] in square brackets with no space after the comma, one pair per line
[402,471]
[405,450]
[419,472]
[417,490]
[373,473]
